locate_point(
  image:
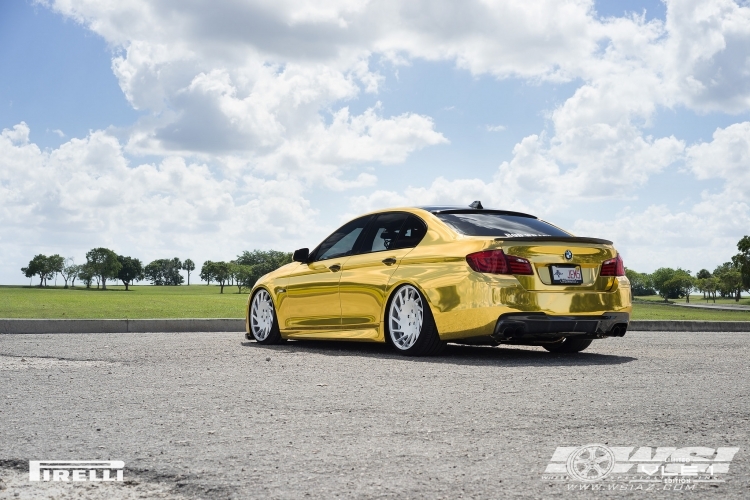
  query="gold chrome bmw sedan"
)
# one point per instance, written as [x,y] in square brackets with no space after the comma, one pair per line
[417,278]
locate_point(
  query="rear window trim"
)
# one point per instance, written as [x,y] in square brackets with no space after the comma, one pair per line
[500,214]
[563,239]
[482,211]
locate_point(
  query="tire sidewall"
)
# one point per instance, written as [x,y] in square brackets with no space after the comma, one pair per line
[427,321]
[274,335]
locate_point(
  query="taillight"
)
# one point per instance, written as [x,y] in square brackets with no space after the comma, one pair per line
[613,267]
[496,262]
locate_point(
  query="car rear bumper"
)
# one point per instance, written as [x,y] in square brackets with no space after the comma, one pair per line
[541,326]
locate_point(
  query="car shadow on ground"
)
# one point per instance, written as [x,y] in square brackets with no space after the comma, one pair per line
[453,354]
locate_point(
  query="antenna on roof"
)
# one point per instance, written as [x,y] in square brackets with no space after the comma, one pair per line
[477,204]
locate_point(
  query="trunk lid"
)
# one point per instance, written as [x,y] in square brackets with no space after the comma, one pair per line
[546,251]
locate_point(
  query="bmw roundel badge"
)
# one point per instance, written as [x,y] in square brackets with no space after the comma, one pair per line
[568,254]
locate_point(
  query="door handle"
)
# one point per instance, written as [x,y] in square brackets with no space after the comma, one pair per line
[389,261]
[335,268]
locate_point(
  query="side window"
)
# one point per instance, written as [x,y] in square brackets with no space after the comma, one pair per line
[342,241]
[392,230]
[412,232]
[383,232]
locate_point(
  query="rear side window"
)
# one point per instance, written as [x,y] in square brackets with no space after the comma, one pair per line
[393,230]
[412,232]
[498,225]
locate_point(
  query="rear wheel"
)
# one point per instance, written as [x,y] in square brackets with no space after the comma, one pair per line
[410,327]
[569,345]
[263,323]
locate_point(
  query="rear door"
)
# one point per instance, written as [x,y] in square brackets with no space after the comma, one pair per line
[365,275]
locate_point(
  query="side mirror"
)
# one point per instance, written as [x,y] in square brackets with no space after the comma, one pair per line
[301,255]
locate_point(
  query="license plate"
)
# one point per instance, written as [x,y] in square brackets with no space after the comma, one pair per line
[566,275]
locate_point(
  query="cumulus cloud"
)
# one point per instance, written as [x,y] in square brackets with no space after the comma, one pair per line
[251,100]
[87,193]
[726,157]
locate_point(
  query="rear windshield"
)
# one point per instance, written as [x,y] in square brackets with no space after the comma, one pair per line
[499,225]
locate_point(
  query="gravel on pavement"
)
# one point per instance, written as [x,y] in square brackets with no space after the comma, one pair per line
[211,415]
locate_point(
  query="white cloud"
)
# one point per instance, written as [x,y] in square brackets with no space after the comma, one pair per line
[496,128]
[252,100]
[703,236]
[726,157]
[86,193]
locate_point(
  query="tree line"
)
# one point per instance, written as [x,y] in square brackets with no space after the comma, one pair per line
[103,264]
[728,280]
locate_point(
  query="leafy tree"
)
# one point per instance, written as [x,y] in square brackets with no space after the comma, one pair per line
[221,273]
[86,274]
[742,263]
[217,271]
[262,263]
[188,266]
[700,281]
[131,270]
[682,282]
[206,273]
[660,279]
[729,280]
[69,271]
[640,283]
[242,275]
[164,272]
[55,263]
[710,285]
[44,267]
[74,270]
[39,266]
[103,264]
[703,274]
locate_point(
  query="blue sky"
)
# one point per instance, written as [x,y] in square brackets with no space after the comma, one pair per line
[183,141]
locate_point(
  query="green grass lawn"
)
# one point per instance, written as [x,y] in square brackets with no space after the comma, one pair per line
[194,301]
[698,299]
[201,301]
[658,311]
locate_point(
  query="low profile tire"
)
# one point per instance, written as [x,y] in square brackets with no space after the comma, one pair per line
[569,345]
[264,327]
[410,327]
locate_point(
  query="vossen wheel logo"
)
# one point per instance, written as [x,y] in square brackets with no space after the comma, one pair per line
[76,470]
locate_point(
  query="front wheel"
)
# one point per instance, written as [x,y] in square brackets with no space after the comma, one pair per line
[263,323]
[410,327]
[569,345]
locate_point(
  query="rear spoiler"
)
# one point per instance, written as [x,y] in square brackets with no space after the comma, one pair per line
[557,239]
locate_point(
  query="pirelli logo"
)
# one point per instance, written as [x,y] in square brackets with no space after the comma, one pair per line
[76,470]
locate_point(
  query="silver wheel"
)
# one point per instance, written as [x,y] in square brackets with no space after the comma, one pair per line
[261,316]
[405,317]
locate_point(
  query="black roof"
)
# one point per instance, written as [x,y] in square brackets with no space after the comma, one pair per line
[446,209]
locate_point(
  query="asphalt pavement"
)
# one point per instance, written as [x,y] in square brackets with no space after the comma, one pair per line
[211,415]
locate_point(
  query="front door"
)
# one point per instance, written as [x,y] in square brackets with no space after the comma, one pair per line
[365,276]
[312,307]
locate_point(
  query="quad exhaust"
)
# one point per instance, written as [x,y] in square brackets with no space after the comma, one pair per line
[541,327]
[618,330]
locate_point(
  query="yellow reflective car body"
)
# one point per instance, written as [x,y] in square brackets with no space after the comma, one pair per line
[346,296]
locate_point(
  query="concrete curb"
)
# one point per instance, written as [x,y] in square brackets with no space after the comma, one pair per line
[121,325]
[688,326]
[238,325]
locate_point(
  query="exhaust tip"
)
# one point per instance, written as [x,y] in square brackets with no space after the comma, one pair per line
[618,330]
[509,330]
